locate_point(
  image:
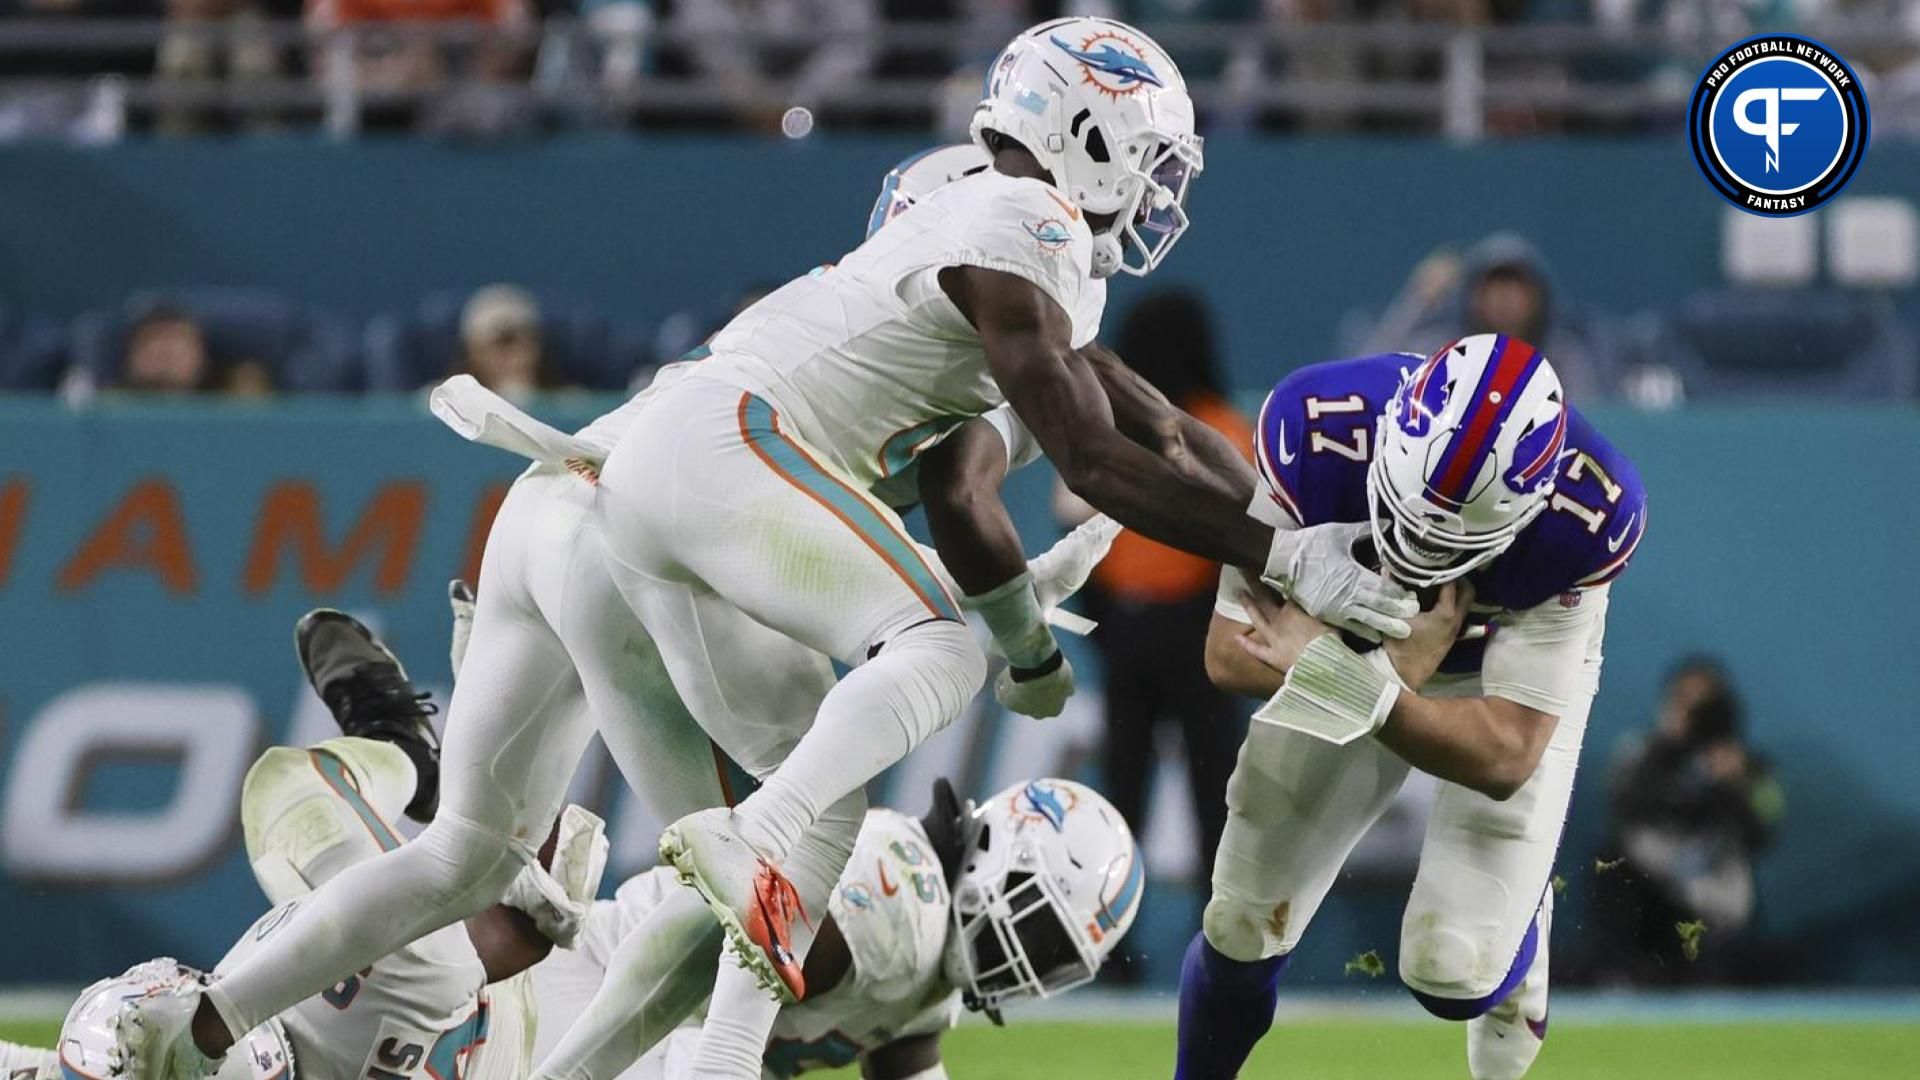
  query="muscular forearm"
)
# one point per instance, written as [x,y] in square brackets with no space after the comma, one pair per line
[1488,745]
[1216,457]
[960,491]
[1187,506]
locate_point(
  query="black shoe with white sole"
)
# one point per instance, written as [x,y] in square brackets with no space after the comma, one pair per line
[366,689]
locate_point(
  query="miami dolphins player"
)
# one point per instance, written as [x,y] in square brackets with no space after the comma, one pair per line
[1467,475]
[532,540]
[897,956]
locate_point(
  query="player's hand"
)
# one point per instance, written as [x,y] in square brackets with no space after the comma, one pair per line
[1040,694]
[460,599]
[1280,629]
[1316,569]
[1062,569]
[1433,635]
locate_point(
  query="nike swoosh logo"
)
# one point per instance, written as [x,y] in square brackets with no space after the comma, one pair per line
[1614,542]
[1280,442]
[887,888]
[1072,210]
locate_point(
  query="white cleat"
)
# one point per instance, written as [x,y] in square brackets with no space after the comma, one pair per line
[754,902]
[153,1038]
[1502,1043]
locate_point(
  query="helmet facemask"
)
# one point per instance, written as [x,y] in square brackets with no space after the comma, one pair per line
[1159,215]
[1015,937]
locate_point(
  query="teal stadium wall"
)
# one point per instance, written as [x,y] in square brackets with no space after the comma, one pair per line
[1781,536]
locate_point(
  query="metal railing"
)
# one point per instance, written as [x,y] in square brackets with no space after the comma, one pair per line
[1463,82]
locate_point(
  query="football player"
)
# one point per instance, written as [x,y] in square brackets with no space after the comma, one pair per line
[1465,475]
[1022,897]
[733,514]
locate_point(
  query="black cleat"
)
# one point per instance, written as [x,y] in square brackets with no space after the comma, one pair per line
[367,691]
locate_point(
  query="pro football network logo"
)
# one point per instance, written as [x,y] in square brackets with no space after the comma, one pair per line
[1779,124]
[1112,63]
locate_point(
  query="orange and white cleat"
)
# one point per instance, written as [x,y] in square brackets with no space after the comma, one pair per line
[754,902]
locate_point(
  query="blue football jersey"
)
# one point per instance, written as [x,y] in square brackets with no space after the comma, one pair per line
[1315,438]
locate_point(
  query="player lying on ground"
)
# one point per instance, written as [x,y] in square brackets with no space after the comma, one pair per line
[1047,865]
[1468,476]
[733,504]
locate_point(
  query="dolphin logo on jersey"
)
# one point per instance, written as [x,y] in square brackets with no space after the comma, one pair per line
[1040,801]
[1117,68]
[1051,235]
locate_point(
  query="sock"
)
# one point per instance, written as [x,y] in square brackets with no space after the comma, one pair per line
[658,975]
[1226,1006]
[733,1038]
[916,685]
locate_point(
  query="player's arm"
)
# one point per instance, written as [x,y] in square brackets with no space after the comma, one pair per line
[1492,743]
[1489,744]
[507,941]
[1230,666]
[1144,415]
[960,482]
[1054,390]
[911,1057]
[547,903]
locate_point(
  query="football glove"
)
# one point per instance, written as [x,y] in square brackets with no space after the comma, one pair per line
[1316,569]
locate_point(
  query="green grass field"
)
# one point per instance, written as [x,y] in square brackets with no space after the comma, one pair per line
[1338,1050]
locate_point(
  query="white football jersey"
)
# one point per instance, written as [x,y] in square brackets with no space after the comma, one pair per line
[892,907]
[868,360]
[421,1013]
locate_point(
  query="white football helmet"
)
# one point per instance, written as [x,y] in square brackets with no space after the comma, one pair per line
[1106,112]
[1465,457]
[1048,884]
[87,1039]
[920,175]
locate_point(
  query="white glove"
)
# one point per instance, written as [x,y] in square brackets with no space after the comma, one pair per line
[460,599]
[558,899]
[1040,697]
[1062,569]
[1316,569]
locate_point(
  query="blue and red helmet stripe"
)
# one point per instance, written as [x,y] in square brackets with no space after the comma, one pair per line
[1514,362]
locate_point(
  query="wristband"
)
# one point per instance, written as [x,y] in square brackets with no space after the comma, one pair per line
[1012,612]
[1333,693]
[1046,667]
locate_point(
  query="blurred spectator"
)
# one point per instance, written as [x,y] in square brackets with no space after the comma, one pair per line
[167,353]
[208,41]
[390,55]
[832,44]
[1153,602]
[1693,805]
[500,342]
[1502,286]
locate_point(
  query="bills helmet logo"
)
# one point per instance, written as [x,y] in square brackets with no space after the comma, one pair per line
[1537,455]
[1424,396]
[1112,63]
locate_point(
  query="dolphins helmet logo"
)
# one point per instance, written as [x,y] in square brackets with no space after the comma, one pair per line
[1041,801]
[1113,64]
